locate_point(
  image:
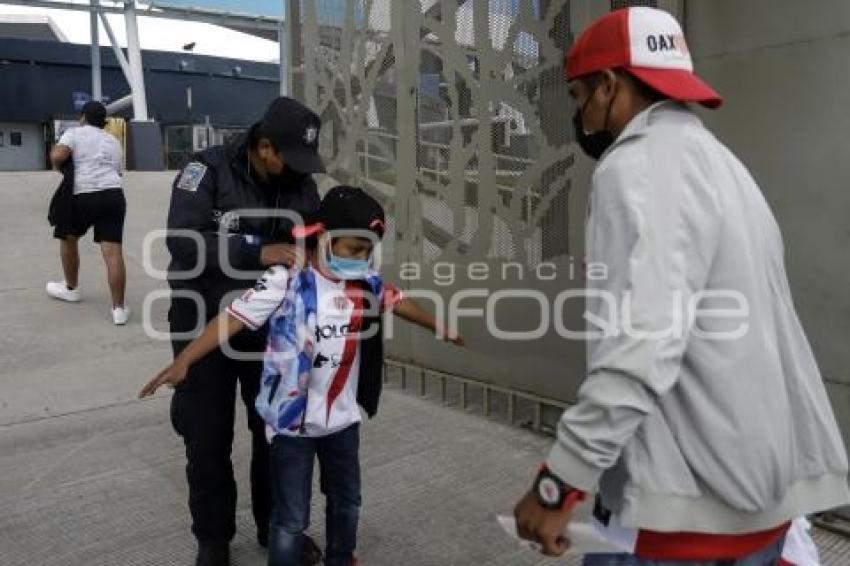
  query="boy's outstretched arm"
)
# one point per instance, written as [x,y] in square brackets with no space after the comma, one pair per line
[409,310]
[251,310]
[216,332]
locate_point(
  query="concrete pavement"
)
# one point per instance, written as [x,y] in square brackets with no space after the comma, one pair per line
[91,476]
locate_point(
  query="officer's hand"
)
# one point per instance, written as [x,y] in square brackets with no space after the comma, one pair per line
[541,525]
[172,376]
[282,254]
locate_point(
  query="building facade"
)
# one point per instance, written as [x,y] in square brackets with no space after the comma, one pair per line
[192,97]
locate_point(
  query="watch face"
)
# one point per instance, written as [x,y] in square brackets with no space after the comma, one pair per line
[549,491]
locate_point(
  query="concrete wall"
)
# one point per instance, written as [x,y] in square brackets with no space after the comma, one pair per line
[29,155]
[782,65]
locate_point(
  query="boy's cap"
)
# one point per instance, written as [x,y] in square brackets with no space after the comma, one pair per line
[345,208]
[647,43]
[95,113]
[294,130]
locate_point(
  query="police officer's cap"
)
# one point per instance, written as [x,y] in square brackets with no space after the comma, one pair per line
[294,130]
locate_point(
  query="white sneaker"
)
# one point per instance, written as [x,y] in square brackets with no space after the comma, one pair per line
[120,315]
[59,290]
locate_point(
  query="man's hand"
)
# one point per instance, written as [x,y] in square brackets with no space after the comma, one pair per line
[282,254]
[173,376]
[535,523]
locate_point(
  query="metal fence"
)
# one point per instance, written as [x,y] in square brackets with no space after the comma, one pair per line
[456,115]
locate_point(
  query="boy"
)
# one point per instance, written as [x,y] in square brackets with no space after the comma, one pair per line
[324,358]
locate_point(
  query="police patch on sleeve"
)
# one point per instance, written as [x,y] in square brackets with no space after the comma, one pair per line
[192,176]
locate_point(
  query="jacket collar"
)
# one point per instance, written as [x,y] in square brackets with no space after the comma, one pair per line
[664,111]
[237,155]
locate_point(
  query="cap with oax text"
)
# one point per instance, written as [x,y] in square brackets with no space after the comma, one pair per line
[345,208]
[294,130]
[647,43]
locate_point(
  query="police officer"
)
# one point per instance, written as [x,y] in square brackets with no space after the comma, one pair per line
[210,231]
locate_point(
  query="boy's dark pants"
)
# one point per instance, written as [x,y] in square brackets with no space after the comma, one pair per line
[202,412]
[291,480]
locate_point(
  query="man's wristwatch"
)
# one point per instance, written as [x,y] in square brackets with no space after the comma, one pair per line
[553,493]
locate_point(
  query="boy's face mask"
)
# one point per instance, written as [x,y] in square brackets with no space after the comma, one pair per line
[343,267]
[347,268]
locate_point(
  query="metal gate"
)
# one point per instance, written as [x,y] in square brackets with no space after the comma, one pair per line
[456,115]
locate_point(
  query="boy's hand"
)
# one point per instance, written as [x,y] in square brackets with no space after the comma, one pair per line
[172,376]
[454,338]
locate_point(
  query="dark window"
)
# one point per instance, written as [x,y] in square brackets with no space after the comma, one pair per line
[15,138]
[2,140]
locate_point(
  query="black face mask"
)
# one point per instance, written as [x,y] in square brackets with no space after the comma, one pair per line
[594,144]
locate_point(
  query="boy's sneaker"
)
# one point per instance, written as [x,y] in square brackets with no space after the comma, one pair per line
[120,315]
[59,290]
[311,554]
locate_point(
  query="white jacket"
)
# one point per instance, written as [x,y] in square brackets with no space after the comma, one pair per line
[686,431]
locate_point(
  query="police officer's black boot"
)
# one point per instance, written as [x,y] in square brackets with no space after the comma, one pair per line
[213,555]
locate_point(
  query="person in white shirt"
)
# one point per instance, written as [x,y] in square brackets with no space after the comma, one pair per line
[98,202]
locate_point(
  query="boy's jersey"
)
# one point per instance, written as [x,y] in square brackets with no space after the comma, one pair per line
[326,342]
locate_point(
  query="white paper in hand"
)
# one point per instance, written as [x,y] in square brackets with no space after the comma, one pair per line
[585,538]
[800,548]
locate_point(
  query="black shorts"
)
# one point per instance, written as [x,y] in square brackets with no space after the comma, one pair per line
[105,210]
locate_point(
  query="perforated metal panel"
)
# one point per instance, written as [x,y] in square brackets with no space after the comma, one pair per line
[456,115]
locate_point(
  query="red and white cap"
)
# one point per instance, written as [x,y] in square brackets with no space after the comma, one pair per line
[650,45]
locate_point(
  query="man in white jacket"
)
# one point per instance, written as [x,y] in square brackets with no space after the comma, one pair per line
[703,424]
